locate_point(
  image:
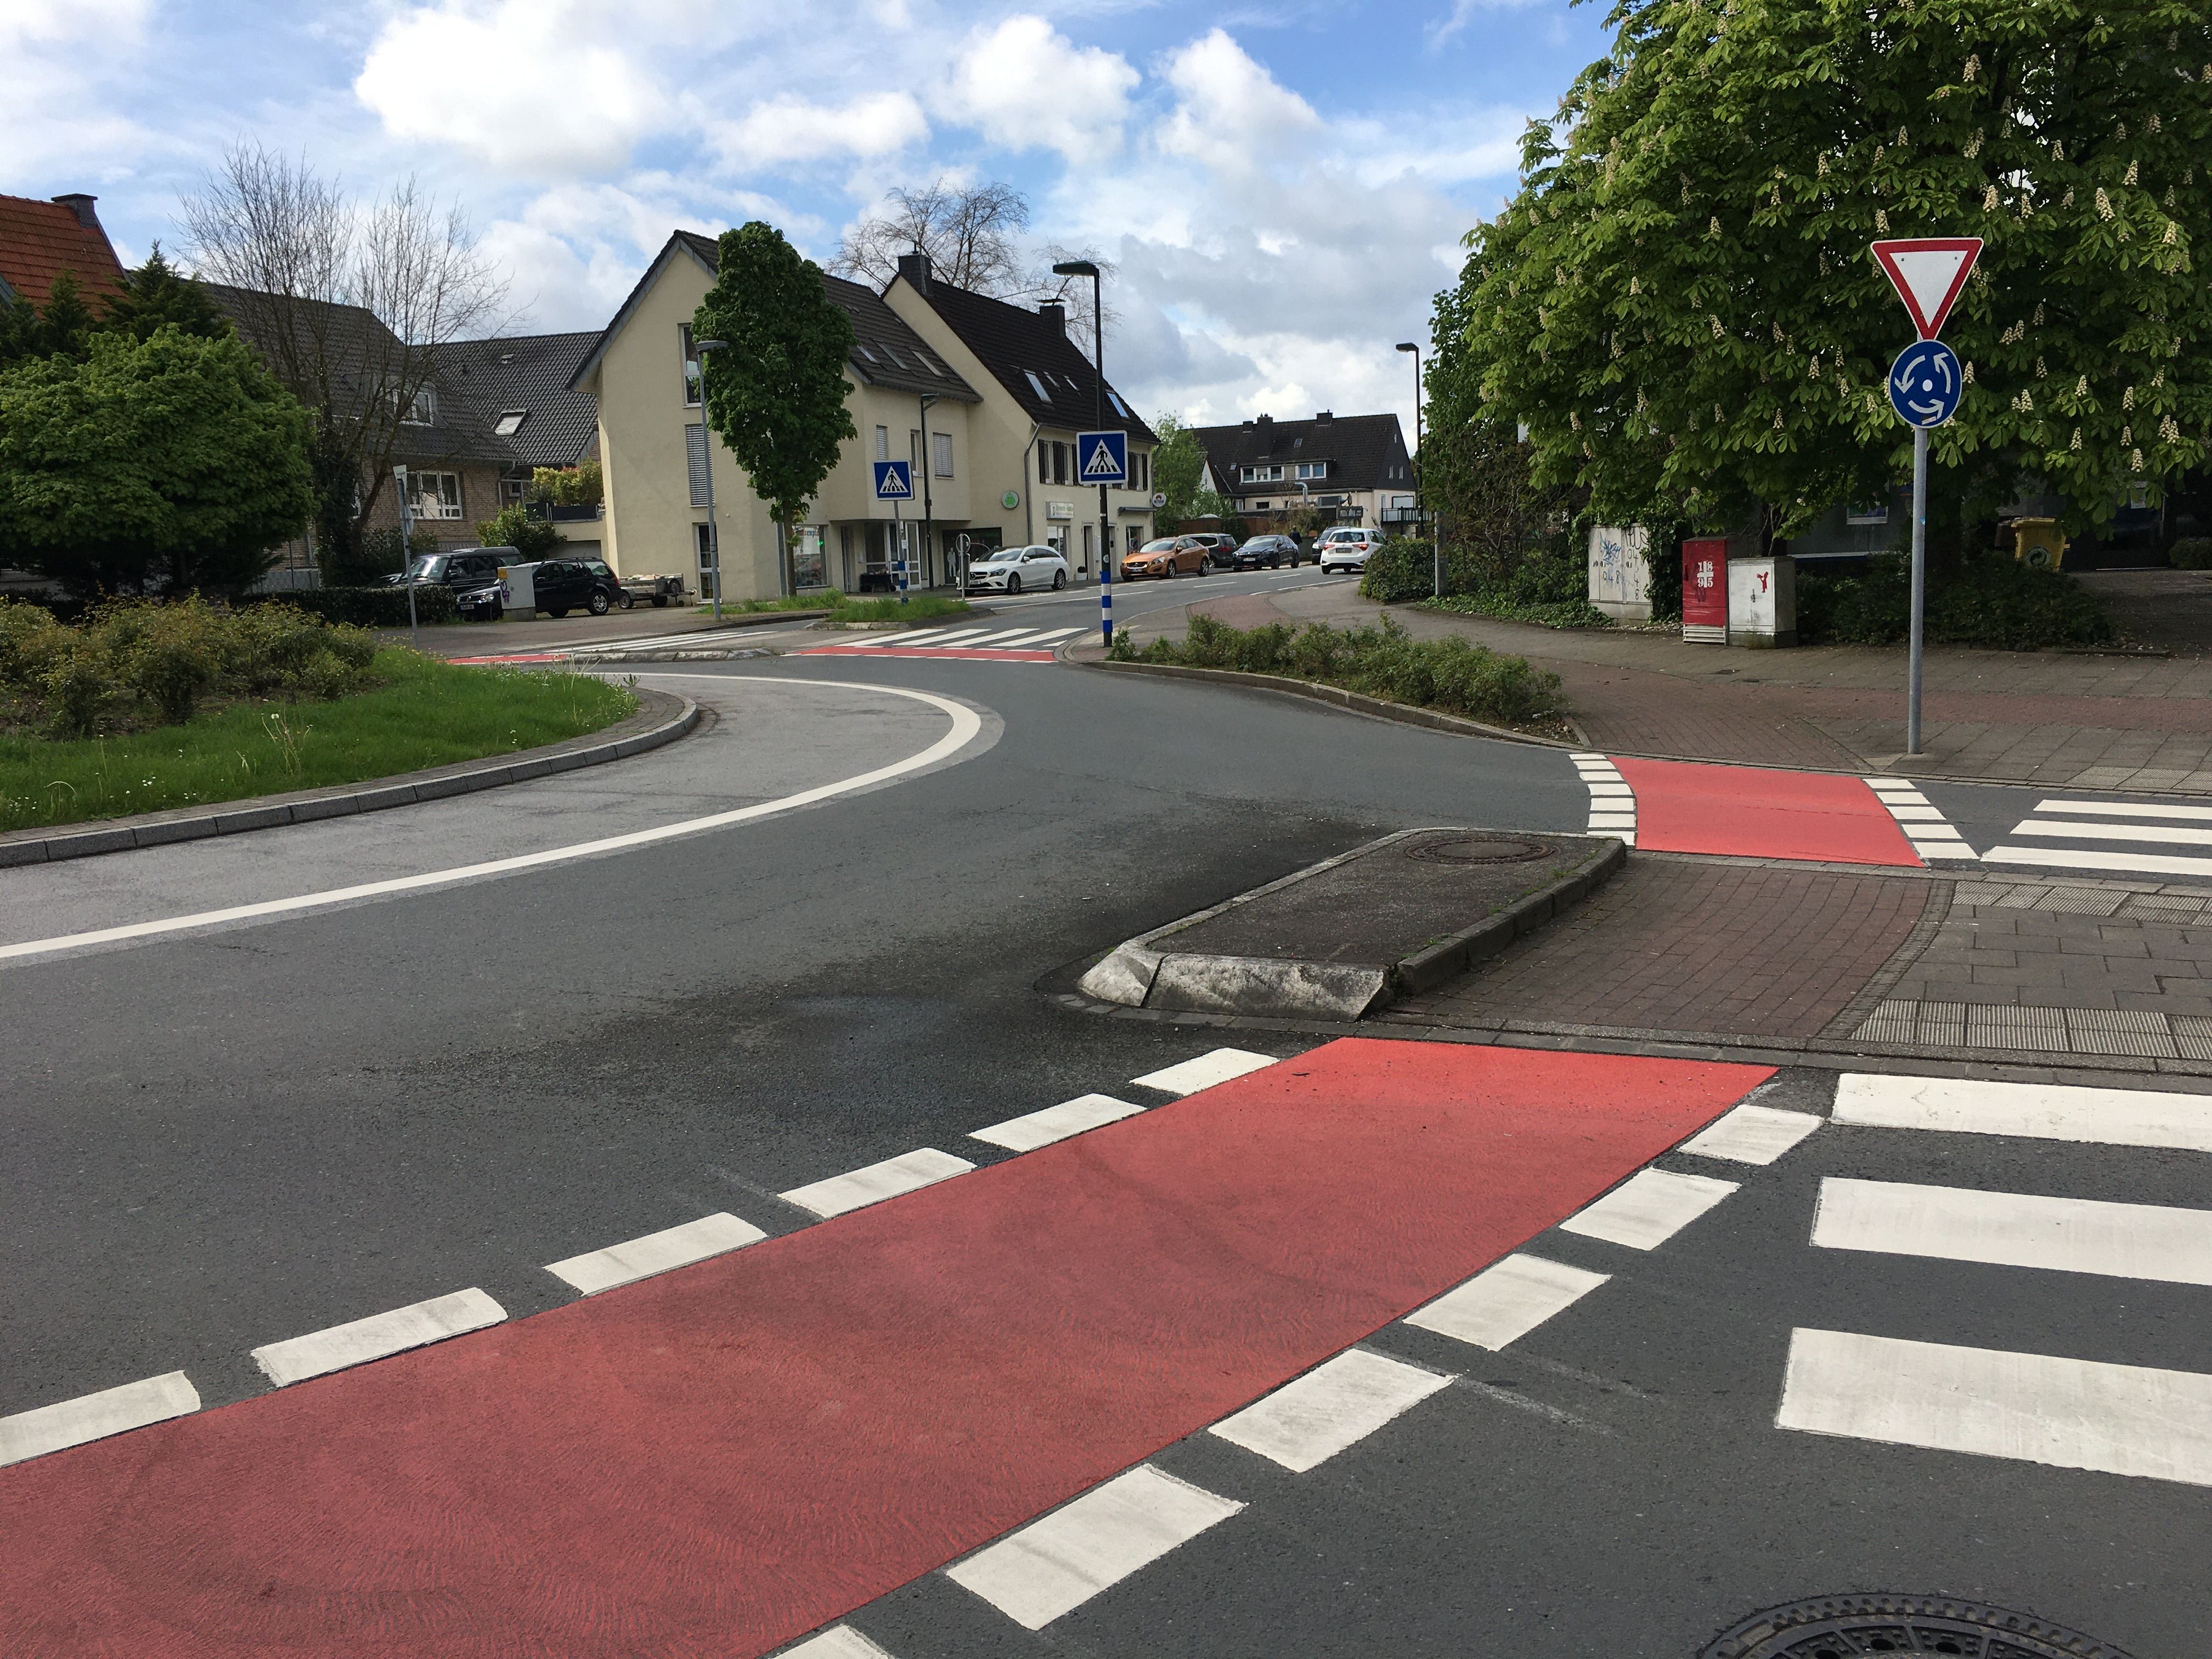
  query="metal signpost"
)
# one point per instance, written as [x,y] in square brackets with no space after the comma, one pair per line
[407,556]
[1088,268]
[1103,459]
[894,483]
[1929,273]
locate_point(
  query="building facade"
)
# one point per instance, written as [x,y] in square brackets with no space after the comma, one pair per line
[1353,469]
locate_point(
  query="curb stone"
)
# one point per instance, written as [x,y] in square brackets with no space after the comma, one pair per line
[307,806]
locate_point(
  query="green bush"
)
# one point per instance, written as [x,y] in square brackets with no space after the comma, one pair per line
[1401,570]
[174,656]
[2190,553]
[511,526]
[1550,585]
[1996,602]
[381,555]
[1383,661]
[376,607]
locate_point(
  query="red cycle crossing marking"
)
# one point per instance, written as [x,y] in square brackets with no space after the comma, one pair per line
[1682,807]
[715,1462]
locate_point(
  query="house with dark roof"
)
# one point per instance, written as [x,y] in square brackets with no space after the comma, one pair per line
[521,385]
[1351,468]
[1038,392]
[39,240]
[658,460]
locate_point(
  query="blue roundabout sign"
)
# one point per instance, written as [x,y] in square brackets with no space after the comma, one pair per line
[1925,384]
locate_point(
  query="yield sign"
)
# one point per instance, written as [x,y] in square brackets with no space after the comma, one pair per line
[1928,272]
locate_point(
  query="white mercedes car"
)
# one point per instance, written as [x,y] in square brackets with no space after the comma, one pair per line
[1017,570]
[1346,547]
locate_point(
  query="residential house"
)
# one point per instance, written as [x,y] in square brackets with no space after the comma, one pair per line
[1352,468]
[1038,392]
[522,384]
[658,460]
[39,240]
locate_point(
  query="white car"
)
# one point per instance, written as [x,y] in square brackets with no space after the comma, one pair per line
[1017,570]
[1346,548]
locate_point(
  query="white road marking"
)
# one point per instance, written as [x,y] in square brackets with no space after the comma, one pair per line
[2118,809]
[2179,834]
[1649,1208]
[1613,803]
[1752,1134]
[839,1642]
[2072,1414]
[908,1172]
[1203,1072]
[1931,834]
[656,1253]
[1054,1565]
[1310,1419]
[1506,1301]
[375,1338]
[2042,1111]
[96,1416]
[1026,639]
[2016,1230]
[2086,858]
[966,724]
[1071,1117]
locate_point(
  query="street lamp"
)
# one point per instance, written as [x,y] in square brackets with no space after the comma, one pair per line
[707,452]
[1435,538]
[922,461]
[1085,268]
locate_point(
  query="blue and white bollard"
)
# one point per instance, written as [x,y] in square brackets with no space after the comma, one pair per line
[1106,600]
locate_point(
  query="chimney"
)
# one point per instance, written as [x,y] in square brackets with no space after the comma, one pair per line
[82,206]
[1267,420]
[1054,314]
[914,267]
[1322,417]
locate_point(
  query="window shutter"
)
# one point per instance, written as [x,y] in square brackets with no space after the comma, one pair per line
[694,443]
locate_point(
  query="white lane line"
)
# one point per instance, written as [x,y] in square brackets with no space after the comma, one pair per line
[1506,1301]
[1019,639]
[1612,803]
[1071,1117]
[2016,1230]
[966,724]
[656,1253]
[2179,834]
[96,1416]
[1752,1134]
[2072,1414]
[2118,809]
[1054,1565]
[1649,1208]
[2088,857]
[839,1642]
[1203,1072]
[1931,834]
[377,1336]
[2041,1111]
[908,1172]
[1309,1421]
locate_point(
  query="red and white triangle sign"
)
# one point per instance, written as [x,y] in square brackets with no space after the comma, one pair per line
[1929,273]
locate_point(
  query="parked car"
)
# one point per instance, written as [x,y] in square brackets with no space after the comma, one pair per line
[463,569]
[1220,549]
[1273,551]
[1169,556]
[564,585]
[1018,569]
[1346,547]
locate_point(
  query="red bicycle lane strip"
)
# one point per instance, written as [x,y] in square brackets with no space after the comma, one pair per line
[1682,807]
[716,1462]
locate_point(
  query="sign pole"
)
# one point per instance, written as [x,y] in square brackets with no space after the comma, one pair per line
[1919,587]
[407,556]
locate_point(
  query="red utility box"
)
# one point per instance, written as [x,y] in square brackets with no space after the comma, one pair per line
[1706,589]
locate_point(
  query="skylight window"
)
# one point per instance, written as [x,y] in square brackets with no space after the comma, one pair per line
[510,422]
[894,356]
[1037,384]
[861,346]
[1119,408]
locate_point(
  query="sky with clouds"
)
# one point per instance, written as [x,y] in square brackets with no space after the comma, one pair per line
[1283,185]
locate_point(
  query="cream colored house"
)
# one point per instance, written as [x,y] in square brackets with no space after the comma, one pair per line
[1038,391]
[655,449]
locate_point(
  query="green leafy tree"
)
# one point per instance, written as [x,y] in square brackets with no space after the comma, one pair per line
[160,295]
[1178,466]
[775,393]
[175,460]
[511,526]
[1679,302]
[62,325]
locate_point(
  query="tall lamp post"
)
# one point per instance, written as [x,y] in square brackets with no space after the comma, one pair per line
[922,461]
[1436,538]
[707,451]
[1085,268]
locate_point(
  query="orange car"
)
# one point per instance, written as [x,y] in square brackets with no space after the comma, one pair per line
[1170,556]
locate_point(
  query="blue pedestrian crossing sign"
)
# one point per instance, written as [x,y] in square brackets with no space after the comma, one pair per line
[1925,384]
[1102,457]
[894,481]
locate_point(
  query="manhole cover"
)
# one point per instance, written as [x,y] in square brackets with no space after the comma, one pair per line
[1478,849]
[1845,1627]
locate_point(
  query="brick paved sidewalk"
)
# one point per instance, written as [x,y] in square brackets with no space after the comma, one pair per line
[2079,721]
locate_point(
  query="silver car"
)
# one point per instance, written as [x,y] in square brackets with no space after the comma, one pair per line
[1017,570]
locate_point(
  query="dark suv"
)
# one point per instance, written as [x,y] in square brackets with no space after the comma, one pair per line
[463,569]
[564,585]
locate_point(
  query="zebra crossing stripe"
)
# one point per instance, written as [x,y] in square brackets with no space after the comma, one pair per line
[2171,1245]
[1929,832]
[2042,1111]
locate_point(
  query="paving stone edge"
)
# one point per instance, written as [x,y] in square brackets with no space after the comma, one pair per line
[375,795]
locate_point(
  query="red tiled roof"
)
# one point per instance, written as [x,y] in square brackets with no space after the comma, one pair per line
[40,239]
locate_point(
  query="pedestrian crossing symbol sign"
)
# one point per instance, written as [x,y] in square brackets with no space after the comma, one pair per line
[1102,457]
[894,481]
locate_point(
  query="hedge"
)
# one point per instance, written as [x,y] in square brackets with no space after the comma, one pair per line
[370,607]
[1996,602]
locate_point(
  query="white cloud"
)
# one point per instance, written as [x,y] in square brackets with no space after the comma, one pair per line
[71,20]
[789,128]
[1229,109]
[1027,86]
[1462,13]
[56,58]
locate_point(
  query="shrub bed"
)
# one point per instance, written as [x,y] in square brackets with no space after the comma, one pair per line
[371,607]
[1384,661]
[1549,585]
[1997,603]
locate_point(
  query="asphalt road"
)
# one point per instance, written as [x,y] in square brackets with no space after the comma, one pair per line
[235,1133]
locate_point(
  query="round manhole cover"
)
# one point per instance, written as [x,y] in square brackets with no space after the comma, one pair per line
[1478,849]
[1846,1627]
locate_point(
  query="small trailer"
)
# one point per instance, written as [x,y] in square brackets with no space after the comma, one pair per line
[661,590]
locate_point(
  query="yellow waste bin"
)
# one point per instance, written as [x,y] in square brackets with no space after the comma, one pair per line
[2037,542]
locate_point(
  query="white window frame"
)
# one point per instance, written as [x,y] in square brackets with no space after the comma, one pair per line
[940,454]
[883,443]
[433,497]
[421,409]
[694,378]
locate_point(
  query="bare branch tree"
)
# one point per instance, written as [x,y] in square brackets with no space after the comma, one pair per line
[349,303]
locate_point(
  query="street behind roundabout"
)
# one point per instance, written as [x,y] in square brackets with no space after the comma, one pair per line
[293,1122]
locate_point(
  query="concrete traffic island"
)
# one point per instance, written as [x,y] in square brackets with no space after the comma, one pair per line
[1341,939]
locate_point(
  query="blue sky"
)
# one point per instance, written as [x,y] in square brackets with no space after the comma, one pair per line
[1282,185]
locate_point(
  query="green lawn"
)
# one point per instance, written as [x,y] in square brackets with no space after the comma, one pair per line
[428,713]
